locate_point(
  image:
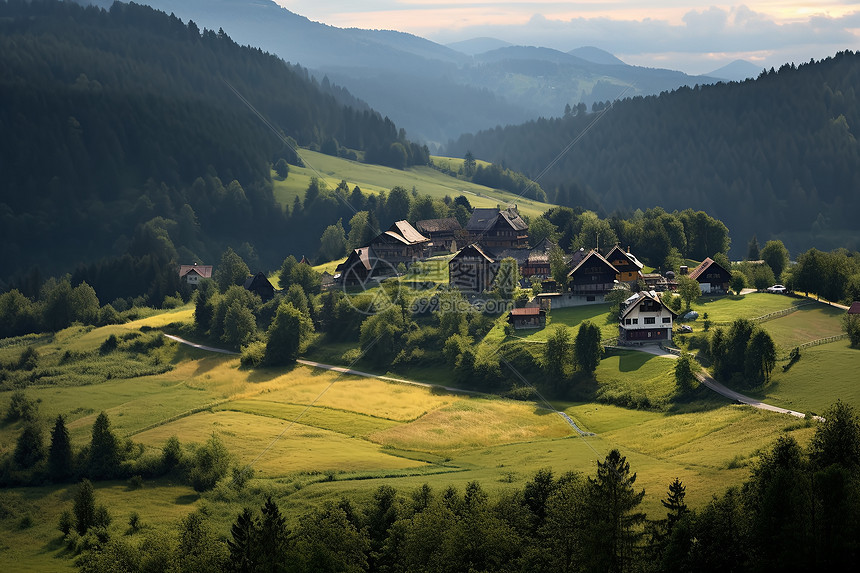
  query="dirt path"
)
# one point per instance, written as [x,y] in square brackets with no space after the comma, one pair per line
[352,372]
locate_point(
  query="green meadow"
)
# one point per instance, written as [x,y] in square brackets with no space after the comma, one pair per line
[376,179]
[313,435]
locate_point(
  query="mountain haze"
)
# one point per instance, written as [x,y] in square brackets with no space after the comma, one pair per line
[775,157]
[434,92]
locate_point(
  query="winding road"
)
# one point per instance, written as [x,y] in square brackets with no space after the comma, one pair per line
[709,381]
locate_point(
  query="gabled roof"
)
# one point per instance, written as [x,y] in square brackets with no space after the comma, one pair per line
[634,300]
[527,311]
[482,219]
[438,225]
[408,232]
[704,266]
[590,255]
[474,250]
[514,220]
[519,255]
[205,271]
[545,246]
[363,256]
[257,280]
[854,308]
[624,255]
[577,257]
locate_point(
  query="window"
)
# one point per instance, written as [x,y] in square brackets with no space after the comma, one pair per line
[635,321]
[666,320]
[650,320]
[626,321]
[589,299]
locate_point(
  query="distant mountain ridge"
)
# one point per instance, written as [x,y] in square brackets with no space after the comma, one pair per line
[737,71]
[434,92]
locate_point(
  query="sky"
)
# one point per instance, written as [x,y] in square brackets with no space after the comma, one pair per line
[695,36]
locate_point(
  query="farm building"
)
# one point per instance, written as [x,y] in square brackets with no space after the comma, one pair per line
[444,234]
[528,317]
[401,243]
[260,286]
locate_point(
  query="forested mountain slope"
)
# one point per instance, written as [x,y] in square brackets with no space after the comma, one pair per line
[776,156]
[112,119]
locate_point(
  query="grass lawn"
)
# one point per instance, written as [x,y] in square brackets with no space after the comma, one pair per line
[753,305]
[573,317]
[808,323]
[822,375]
[317,435]
[376,178]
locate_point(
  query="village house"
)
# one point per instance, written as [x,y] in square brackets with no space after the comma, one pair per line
[401,243]
[358,267]
[628,266]
[498,229]
[260,286]
[528,317]
[193,274]
[532,262]
[444,234]
[594,276]
[473,269]
[644,318]
[712,277]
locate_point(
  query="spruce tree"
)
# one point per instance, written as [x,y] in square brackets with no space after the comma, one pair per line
[244,545]
[104,450]
[60,453]
[85,506]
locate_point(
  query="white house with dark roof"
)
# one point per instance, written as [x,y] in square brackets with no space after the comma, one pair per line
[644,318]
[193,274]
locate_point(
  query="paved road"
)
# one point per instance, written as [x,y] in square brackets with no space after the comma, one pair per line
[709,381]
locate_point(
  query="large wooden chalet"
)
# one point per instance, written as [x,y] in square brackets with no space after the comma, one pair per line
[645,319]
[593,276]
[498,229]
[712,277]
[473,269]
[444,234]
[401,243]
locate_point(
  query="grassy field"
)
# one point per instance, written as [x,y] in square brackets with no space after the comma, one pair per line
[753,305]
[315,435]
[376,178]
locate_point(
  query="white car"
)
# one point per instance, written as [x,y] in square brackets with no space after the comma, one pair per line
[777,289]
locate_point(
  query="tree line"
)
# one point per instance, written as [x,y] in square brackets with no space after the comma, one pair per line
[774,156]
[795,510]
[127,117]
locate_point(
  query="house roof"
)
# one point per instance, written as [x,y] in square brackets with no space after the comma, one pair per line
[626,255]
[408,232]
[527,311]
[591,254]
[258,280]
[576,257]
[475,250]
[438,225]
[485,218]
[519,255]
[639,297]
[205,271]
[545,246]
[854,308]
[704,266]
[363,255]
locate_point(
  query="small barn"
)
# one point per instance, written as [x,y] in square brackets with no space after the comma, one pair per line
[712,277]
[260,286]
[528,317]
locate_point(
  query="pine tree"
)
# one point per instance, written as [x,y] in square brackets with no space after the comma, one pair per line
[85,506]
[674,503]
[273,538]
[60,453]
[30,448]
[244,544]
[104,450]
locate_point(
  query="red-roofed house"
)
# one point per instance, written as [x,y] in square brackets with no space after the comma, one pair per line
[193,274]
[528,317]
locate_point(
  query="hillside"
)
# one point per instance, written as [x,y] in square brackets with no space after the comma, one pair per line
[775,157]
[434,92]
[129,116]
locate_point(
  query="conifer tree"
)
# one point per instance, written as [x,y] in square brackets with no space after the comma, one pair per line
[60,453]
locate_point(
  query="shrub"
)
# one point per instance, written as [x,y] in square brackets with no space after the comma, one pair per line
[109,345]
[135,482]
[21,408]
[66,523]
[211,462]
[253,354]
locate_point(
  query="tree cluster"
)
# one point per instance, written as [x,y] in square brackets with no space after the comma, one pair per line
[745,353]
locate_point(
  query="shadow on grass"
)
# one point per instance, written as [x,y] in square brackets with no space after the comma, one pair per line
[187,499]
[208,363]
[258,375]
[632,360]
